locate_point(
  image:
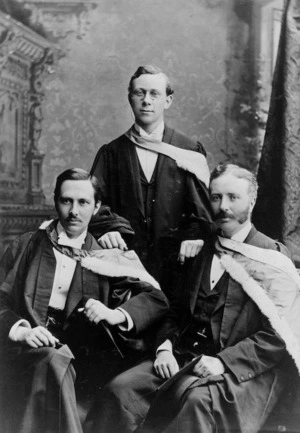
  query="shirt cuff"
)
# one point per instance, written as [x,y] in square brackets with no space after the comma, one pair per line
[128,325]
[166,345]
[13,330]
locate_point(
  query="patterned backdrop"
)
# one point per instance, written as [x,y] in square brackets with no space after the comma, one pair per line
[203,45]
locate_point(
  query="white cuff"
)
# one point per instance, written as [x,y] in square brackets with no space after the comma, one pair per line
[166,345]
[128,325]
[13,330]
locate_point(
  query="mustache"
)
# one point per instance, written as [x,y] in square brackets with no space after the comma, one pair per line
[223,214]
[73,218]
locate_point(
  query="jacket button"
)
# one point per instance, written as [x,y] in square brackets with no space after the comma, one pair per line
[242,378]
[250,375]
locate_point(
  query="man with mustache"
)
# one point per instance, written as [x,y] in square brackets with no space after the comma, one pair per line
[231,338]
[63,303]
[156,178]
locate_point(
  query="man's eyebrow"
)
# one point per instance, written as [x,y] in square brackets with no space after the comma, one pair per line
[143,88]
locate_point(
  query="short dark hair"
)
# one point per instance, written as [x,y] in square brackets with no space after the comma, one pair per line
[152,70]
[240,173]
[77,174]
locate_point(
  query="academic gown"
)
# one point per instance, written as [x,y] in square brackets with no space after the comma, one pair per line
[180,207]
[254,356]
[44,378]
[237,401]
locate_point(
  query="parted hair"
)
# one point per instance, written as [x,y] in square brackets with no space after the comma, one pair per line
[77,174]
[238,172]
[152,70]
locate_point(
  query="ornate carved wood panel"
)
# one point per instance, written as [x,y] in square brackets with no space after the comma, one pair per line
[24,58]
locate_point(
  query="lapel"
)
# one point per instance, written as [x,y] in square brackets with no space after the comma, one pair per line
[129,169]
[250,238]
[195,275]
[233,300]
[84,284]
[75,293]
[42,271]
[163,162]
[221,300]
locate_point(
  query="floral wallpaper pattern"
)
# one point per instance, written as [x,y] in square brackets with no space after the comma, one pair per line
[86,96]
[203,45]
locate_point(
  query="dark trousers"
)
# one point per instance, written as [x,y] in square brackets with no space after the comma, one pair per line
[189,405]
[124,402]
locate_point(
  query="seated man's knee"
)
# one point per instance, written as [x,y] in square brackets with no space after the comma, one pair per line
[139,380]
[36,359]
[198,398]
[118,385]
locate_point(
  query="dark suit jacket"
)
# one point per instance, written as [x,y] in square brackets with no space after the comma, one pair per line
[244,339]
[26,289]
[181,200]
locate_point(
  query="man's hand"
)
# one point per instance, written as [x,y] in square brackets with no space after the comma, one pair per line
[112,240]
[165,364]
[35,337]
[208,366]
[189,249]
[95,311]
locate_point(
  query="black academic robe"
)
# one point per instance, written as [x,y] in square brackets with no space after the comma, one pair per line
[48,374]
[180,207]
[237,401]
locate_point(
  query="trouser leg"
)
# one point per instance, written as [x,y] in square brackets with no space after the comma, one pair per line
[124,402]
[219,405]
[195,413]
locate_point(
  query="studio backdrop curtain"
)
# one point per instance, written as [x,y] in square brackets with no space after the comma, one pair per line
[277,212]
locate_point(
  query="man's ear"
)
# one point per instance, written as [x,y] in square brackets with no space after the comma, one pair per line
[252,204]
[168,102]
[97,207]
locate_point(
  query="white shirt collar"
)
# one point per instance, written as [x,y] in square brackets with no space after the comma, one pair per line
[157,133]
[63,238]
[241,235]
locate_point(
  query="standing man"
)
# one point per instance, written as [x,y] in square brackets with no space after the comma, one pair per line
[224,344]
[155,177]
[57,302]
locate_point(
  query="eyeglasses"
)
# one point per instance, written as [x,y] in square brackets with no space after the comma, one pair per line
[141,94]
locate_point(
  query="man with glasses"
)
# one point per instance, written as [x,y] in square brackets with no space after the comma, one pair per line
[156,178]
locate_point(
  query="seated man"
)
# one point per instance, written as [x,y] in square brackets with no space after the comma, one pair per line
[54,307]
[224,346]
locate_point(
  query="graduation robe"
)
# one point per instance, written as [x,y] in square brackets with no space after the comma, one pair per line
[44,378]
[180,206]
[255,358]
